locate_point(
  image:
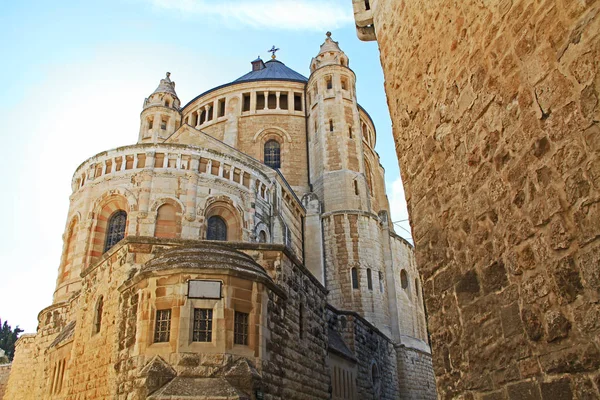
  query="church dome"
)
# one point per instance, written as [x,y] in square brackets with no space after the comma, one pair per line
[271,70]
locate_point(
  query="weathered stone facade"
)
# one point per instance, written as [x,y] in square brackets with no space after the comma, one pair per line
[496,121]
[4,373]
[190,269]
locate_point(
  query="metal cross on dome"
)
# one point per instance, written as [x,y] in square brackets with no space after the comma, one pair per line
[273,51]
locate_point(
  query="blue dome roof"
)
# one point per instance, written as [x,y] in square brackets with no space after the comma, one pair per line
[273,70]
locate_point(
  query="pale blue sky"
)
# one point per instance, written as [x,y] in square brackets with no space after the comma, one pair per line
[75,74]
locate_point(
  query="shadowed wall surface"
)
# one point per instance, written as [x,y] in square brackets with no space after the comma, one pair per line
[496,122]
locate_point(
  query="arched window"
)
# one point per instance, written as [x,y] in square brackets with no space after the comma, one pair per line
[273,154]
[262,237]
[369,279]
[375,379]
[354,278]
[217,228]
[98,315]
[115,231]
[404,279]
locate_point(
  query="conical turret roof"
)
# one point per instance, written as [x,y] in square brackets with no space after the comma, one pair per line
[166,86]
[330,45]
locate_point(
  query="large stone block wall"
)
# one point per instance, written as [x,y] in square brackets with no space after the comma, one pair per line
[370,347]
[409,292]
[4,374]
[495,117]
[415,372]
[353,240]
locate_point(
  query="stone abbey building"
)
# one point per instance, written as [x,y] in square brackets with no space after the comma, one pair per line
[242,249]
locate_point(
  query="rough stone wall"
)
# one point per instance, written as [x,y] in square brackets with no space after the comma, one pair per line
[354,241]
[409,300]
[92,374]
[295,367]
[415,374]
[4,373]
[369,346]
[495,116]
[35,356]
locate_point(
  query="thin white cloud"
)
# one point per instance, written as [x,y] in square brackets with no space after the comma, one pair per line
[278,14]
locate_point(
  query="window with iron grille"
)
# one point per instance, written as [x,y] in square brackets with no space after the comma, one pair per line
[240,328]
[115,231]
[162,329]
[217,228]
[202,325]
[272,154]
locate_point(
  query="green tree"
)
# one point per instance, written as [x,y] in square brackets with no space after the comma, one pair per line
[8,337]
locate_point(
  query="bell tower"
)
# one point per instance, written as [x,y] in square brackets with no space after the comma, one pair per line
[160,116]
[335,145]
[353,255]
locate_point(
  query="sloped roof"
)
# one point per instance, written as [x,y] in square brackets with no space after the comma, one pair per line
[274,70]
[337,345]
[205,256]
[194,388]
[64,335]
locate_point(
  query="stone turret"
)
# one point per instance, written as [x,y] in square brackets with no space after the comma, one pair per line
[160,116]
[354,274]
[334,130]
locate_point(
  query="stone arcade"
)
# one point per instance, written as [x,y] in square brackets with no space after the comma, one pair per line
[242,249]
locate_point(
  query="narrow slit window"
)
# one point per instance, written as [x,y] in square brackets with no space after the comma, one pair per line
[297,102]
[240,328]
[246,102]
[272,101]
[330,125]
[203,321]
[369,280]
[260,101]
[329,82]
[98,315]
[354,274]
[150,121]
[283,101]
[162,328]
[380,281]
[367,5]
[350,132]
[163,123]
[301,321]
[356,188]
[221,105]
